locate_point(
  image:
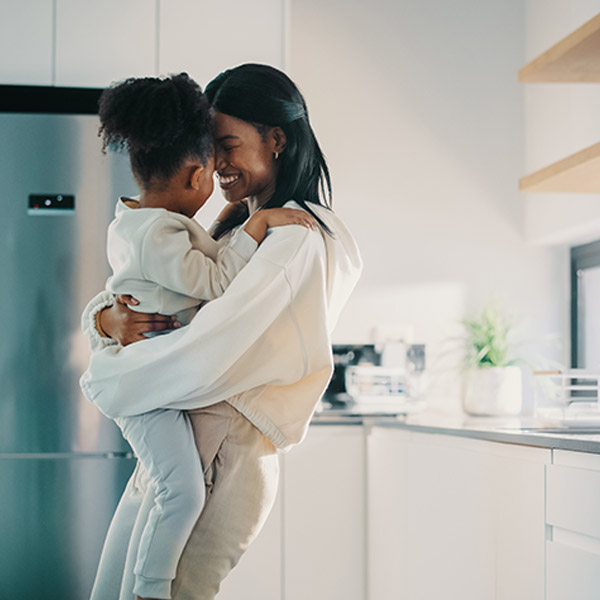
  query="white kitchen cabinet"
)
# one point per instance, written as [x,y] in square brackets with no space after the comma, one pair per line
[313,543]
[573,547]
[450,531]
[259,572]
[324,516]
[388,553]
[92,44]
[384,513]
[26,42]
[101,42]
[205,38]
[573,499]
[519,490]
[572,573]
[454,518]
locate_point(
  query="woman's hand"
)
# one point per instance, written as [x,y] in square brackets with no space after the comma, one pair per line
[127,326]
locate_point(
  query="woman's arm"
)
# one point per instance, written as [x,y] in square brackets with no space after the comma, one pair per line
[107,321]
[185,270]
[125,326]
[196,365]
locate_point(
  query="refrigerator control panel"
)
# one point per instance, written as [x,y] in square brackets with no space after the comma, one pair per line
[51,204]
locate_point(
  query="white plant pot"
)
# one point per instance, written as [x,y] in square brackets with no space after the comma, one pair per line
[492,391]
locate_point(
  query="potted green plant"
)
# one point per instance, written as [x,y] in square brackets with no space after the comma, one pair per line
[491,379]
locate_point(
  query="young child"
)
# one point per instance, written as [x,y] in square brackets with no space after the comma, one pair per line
[170,264]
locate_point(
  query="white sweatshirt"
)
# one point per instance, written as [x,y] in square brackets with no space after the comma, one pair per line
[264,345]
[168,261]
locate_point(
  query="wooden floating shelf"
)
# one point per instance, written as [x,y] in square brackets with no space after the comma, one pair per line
[576,174]
[575,59]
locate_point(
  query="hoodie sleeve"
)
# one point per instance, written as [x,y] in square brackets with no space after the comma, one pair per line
[250,336]
[168,258]
[88,321]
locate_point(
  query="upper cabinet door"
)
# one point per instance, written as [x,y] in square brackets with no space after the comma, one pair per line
[205,38]
[26,42]
[101,42]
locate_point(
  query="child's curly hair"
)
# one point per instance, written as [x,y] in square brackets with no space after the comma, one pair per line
[160,122]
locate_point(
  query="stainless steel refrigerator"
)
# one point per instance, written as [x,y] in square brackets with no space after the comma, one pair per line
[63,466]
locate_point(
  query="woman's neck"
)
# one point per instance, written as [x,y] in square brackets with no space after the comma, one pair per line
[254,204]
[257,201]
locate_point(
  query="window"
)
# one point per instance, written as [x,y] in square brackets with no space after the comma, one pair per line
[585,306]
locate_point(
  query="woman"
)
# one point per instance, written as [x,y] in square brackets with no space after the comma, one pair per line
[263,348]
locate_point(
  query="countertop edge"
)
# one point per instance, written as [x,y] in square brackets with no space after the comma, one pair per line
[555,441]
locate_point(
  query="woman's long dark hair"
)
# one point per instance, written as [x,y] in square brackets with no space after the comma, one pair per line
[160,122]
[267,97]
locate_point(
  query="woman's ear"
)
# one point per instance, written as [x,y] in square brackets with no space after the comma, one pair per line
[279,139]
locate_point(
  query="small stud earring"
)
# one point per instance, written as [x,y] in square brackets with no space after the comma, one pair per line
[276,155]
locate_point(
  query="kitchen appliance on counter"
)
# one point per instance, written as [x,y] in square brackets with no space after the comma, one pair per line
[567,398]
[63,465]
[375,379]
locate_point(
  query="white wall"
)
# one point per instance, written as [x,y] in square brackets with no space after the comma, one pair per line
[560,119]
[417,106]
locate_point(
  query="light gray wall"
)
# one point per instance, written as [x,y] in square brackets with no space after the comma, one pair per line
[417,106]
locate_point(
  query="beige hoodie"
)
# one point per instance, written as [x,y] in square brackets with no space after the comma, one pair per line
[264,345]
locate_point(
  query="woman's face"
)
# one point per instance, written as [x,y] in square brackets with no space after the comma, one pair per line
[244,160]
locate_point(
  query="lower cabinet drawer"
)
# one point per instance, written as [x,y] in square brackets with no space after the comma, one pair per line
[573,499]
[571,573]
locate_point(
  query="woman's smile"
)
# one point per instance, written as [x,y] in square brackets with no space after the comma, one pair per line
[227,181]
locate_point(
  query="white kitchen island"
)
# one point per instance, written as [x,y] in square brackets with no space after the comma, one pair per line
[429,508]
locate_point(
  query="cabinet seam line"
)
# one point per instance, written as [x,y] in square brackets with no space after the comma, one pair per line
[282,570]
[54,40]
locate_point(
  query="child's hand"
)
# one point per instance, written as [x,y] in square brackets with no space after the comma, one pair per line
[276,217]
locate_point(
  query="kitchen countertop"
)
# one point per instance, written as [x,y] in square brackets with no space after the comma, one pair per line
[524,431]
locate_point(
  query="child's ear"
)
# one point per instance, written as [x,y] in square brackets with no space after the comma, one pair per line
[196,176]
